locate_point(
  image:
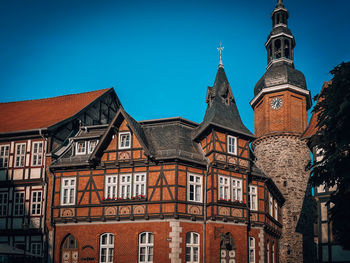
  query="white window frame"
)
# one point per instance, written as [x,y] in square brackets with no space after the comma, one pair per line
[37,155]
[139,184]
[224,187]
[270,205]
[107,249]
[36,204]
[276,210]
[125,186]
[20,156]
[237,190]
[4,203]
[232,144]
[4,155]
[80,152]
[273,252]
[89,146]
[36,247]
[121,142]
[68,199]
[194,186]
[251,255]
[18,203]
[192,247]
[111,186]
[147,246]
[253,197]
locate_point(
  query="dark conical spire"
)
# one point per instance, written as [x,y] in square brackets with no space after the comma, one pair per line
[222,109]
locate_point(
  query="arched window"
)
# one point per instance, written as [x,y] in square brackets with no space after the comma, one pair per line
[251,250]
[277,48]
[69,249]
[146,240]
[106,248]
[268,251]
[192,247]
[286,49]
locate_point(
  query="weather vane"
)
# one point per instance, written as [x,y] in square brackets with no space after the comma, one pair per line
[220,49]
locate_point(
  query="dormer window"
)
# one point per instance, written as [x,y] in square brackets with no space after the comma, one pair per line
[232,144]
[124,140]
[80,148]
[92,145]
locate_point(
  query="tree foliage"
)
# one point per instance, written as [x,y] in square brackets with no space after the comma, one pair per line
[332,139]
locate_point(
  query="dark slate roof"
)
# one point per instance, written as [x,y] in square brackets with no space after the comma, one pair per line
[280,73]
[172,138]
[279,30]
[222,109]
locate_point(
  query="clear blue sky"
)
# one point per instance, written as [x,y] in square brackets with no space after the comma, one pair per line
[159,56]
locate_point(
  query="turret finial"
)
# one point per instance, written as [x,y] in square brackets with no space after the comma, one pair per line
[220,49]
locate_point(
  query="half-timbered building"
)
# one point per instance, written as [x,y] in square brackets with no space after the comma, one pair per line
[29,132]
[165,190]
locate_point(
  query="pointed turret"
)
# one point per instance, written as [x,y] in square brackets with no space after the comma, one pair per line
[222,109]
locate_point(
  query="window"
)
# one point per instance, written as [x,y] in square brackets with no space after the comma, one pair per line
[4,156]
[268,251]
[36,202]
[271,205]
[92,145]
[3,204]
[276,211]
[125,186]
[139,184]
[68,191]
[253,199]
[192,247]
[224,187]
[35,249]
[146,247]
[194,188]
[237,189]
[251,250]
[37,154]
[111,186]
[273,253]
[232,145]
[124,140]
[20,154]
[19,204]
[80,148]
[106,248]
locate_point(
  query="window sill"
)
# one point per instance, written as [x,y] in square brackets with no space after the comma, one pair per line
[121,200]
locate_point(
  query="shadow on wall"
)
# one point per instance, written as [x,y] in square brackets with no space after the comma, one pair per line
[305,226]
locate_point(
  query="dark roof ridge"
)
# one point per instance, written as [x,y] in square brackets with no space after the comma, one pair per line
[166,120]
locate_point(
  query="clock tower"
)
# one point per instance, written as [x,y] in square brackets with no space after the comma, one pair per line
[281,102]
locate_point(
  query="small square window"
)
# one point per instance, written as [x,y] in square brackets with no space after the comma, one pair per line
[124,140]
[232,144]
[81,148]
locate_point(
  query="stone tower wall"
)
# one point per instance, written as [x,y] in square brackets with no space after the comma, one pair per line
[283,158]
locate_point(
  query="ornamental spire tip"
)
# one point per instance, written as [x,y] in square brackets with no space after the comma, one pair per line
[220,49]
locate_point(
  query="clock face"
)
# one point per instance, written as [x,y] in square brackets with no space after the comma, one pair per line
[276,103]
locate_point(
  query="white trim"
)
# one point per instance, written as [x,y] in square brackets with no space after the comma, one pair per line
[37,154]
[280,24]
[251,196]
[121,147]
[195,184]
[251,248]
[224,187]
[125,187]
[278,88]
[236,188]
[18,204]
[20,155]
[107,248]
[70,187]
[141,184]
[111,184]
[76,148]
[37,203]
[275,211]
[89,144]
[277,35]
[234,145]
[148,246]
[270,205]
[3,156]
[192,246]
